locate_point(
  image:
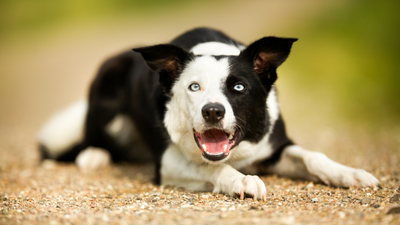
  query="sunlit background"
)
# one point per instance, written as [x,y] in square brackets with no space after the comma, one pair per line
[342,74]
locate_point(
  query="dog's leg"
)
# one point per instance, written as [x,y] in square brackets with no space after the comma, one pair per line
[178,171]
[297,162]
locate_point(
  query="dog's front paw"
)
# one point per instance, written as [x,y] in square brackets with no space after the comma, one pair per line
[333,173]
[358,178]
[243,186]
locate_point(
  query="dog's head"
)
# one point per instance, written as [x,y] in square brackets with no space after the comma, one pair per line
[217,92]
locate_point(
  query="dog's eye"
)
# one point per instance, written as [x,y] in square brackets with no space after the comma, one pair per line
[239,87]
[194,87]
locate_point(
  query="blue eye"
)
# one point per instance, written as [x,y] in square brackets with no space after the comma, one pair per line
[239,87]
[194,87]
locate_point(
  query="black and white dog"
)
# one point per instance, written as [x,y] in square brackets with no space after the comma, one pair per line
[201,108]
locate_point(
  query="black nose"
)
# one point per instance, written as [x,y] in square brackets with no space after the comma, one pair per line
[213,112]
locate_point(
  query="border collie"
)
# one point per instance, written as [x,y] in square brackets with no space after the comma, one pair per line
[201,108]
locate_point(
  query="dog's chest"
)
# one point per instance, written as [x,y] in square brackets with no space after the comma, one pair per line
[247,153]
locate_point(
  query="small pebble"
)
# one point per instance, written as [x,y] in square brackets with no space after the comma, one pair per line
[365,201]
[310,185]
[314,200]
[376,206]
[395,198]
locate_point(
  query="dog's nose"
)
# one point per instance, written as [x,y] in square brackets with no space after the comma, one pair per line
[213,112]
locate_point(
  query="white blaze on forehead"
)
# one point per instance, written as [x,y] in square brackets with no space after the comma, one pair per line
[215,48]
[206,70]
[211,75]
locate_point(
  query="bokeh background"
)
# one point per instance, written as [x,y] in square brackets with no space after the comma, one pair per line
[341,79]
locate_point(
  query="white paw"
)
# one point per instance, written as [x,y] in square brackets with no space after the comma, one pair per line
[243,186]
[333,173]
[93,158]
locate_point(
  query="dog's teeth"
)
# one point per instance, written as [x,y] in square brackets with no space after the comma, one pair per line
[225,147]
[204,147]
[230,136]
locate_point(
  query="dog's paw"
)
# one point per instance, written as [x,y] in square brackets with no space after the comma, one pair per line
[333,173]
[92,158]
[243,186]
[357,178]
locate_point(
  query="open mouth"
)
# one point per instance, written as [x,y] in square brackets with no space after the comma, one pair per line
[215,144]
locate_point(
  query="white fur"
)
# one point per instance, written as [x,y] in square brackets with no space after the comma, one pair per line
[215,48]
[177,170]
[64,129]
[297,162]
[93,158]
[122,129]
[273,107]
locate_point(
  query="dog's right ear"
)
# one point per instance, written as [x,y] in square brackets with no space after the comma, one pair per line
[168,60]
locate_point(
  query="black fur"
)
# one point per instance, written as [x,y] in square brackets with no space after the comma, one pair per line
[279,141]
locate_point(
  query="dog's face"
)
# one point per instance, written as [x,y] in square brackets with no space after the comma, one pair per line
[217,96]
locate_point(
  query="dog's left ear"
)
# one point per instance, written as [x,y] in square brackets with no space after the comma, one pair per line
[266,55]
[168,60]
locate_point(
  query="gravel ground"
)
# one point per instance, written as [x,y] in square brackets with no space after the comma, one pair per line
[58,193]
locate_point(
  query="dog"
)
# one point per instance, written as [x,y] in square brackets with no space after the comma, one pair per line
[201,108]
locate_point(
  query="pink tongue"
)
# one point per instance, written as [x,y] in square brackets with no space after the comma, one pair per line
[215,140]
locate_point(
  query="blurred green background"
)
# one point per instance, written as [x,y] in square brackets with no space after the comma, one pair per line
[343,71]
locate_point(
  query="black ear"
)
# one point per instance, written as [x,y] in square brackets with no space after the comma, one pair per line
[168,60]
[266,54]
